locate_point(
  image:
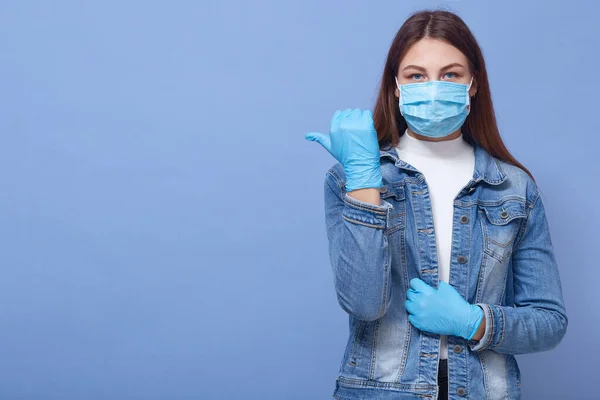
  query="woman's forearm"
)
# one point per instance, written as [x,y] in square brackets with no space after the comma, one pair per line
[479,334]
[367,195]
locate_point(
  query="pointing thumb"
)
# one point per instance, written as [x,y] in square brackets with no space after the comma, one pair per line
[320,138]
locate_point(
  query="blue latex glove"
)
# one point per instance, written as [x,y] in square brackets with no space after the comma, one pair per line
[352,140]
[442,310]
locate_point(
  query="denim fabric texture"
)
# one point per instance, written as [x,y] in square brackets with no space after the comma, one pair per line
[502,259]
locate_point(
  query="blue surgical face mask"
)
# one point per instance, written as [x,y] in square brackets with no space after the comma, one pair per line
[435,108]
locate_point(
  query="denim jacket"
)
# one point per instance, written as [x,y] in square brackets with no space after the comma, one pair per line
[501,259]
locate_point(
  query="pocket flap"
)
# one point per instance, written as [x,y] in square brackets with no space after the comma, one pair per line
[505,212]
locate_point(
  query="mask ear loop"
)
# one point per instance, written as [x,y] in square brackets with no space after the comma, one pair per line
[469,88]
[399,96]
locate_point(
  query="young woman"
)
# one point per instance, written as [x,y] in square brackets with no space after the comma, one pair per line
[438,238]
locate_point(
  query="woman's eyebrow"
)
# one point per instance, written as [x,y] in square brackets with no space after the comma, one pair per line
[418,68]
[452,66]
[413,67]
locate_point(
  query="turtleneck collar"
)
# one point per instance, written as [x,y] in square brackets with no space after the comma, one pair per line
[443,149]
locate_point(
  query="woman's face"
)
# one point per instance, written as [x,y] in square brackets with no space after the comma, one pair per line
[434,60]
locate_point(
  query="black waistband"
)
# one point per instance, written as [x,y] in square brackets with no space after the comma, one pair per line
[443,368]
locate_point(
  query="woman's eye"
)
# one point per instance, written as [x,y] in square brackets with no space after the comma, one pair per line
[449,75]
[416,76]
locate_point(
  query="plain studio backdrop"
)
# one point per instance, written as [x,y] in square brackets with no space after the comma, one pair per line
[161,214]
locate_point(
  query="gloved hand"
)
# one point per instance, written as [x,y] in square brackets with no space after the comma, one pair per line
[442,310]
[353,142]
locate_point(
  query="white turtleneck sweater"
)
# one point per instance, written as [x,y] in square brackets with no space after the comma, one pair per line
[447,166]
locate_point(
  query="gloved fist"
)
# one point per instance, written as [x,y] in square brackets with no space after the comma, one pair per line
[352,140]
[442,310]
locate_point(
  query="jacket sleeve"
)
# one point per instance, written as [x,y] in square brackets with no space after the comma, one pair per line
[358,250]
[538,320]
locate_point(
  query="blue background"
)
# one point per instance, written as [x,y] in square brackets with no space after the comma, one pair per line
[161,214]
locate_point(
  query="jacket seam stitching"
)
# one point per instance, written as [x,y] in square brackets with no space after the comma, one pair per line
[525,224]
[491,335]
[362,223]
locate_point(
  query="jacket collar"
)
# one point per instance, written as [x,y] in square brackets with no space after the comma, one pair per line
[487,167]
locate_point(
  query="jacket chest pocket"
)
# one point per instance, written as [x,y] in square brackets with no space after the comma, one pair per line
[394,194]
[500,225]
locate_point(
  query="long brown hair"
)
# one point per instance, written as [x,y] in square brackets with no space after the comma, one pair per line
[480,126]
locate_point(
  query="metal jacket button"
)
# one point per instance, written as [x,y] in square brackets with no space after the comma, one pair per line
[504,214]
[464,219]
[457,348]
[383,189]
[460,391]
[462,259]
